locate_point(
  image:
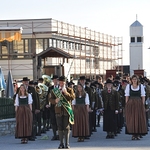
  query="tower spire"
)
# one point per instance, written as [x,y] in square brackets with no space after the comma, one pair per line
[136,17]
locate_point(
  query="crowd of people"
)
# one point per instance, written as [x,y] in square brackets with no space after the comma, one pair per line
[64,106]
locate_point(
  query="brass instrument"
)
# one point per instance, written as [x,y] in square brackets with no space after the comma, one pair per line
[46,80]
[43,95]
[38,89]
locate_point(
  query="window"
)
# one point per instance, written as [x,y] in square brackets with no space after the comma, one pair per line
[132,39]
[26,46]
[139,39]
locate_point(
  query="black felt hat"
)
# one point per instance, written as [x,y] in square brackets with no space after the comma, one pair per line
[145,79]
[116,83]
[31,82]
[62,78]
[71,83]
[124,81]
[82,78]
[40,79]
[25,79]
[36,83]
[109,81]
[55,77]
[96,83]
[117,78]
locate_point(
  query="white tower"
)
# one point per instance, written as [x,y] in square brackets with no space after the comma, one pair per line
[136,47]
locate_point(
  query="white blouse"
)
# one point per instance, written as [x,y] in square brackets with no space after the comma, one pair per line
[87,101]
[30,100]
[127,93]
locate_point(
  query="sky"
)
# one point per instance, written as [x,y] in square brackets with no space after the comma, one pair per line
[112,17]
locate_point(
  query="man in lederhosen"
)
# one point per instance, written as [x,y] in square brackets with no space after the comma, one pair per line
[62,98]
[52,108]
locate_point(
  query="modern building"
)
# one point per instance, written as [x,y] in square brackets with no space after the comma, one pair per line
[51,47]
[136,46]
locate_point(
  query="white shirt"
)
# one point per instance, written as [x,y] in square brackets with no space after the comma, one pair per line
[87,101]
[127,93]
[30,100]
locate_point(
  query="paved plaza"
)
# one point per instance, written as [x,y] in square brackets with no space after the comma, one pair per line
[96,142]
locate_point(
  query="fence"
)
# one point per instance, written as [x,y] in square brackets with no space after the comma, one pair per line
[7,109]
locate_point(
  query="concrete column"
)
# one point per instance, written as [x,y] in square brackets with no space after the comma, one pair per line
[33,45]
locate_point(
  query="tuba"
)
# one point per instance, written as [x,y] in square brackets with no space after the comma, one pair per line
[43,95]
[46,80]
[38,89]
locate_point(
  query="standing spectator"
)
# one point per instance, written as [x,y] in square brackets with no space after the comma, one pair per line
[81,107]
[110,99]
[23,108]
[134,109]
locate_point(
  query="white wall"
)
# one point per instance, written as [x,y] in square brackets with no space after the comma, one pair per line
[136,57]
[19,68]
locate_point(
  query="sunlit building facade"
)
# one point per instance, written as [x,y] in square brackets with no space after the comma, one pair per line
[92,52]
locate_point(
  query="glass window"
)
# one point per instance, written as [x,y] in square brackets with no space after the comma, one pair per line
[26,46]
[87,63]
[39,45]
[139,39]
[4,48]
[132,39]
[18,46]
[46,44]
[50,43]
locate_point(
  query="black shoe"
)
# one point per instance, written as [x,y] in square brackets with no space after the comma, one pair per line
[38,134]
[108,137]
[61,146]
[54,138]
[31,139]
[47,129]
[112,136]
[67,147]
[57,137]
[43,131]
[98,125]
[87,138]
[94,130]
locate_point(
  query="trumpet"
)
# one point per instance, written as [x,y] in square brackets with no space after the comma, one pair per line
[46,80]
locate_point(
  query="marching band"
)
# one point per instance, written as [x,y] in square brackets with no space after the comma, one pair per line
[65,106]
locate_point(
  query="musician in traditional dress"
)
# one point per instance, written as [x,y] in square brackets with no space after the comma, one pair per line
[52,108]
[62,98]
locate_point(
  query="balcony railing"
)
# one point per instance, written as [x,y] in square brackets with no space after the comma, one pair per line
[7,109]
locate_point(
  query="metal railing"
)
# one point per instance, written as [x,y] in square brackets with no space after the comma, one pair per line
[7,109]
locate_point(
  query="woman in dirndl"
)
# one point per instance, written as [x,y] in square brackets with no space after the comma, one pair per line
[23,108]
[134,109]
[80,107]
